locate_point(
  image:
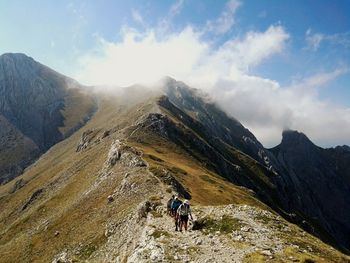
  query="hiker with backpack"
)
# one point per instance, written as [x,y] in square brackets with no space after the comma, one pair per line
[170,201]
[174,207]
[184,212]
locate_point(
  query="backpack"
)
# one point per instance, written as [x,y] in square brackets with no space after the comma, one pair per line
[175,204]
[184,210]
[170,202]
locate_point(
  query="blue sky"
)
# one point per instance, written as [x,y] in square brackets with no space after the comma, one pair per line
[279,47]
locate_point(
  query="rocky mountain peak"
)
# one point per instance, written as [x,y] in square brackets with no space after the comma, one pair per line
[293,138]
[343,149]
[37,109]
[15,63]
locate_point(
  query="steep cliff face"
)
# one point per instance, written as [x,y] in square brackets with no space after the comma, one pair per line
[306,183]
[316,182]
[35,111]
[218,125]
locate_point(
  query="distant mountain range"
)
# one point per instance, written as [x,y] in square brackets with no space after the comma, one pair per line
[175,134]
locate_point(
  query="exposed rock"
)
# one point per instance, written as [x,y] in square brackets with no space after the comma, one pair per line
[62,258]
[315,181]
[18,185]
[133,160]
[86,139]
[127,154]
[144,208]
[105,134]
[110,198]
[169,179]
[33,197]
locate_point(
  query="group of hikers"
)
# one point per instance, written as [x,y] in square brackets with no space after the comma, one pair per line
[180,211]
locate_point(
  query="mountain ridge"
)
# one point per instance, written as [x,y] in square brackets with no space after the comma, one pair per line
[40,106]
[95,195]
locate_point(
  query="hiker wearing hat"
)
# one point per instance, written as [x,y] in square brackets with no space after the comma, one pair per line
[184,211]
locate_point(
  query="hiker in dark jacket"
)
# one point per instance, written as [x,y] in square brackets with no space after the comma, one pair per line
[174,206]
[169,204]
[184,211]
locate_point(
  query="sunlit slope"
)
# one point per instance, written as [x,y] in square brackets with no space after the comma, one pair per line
[91,197]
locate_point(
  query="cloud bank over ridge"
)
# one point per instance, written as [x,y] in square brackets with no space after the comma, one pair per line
[224,71]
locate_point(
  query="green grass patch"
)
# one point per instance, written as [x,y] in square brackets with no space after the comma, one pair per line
[158,233]
[155,198]
[87,251]
[226,224]
[158,172]
[208,179]
[156,214]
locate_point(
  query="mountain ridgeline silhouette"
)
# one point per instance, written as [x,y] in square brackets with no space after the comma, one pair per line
[103,144]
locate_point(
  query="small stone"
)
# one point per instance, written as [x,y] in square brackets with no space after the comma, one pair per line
[57,233]
[266,252]
[110,198]
[238,238]
[199,242]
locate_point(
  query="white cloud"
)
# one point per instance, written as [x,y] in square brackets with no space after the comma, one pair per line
[137,16]
[224,71]
[143,58]
[314,40]
[165,23]
[226,20]
[146,57]
[266,108]
[176,8]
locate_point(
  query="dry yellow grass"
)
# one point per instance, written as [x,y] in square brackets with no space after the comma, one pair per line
[72,205]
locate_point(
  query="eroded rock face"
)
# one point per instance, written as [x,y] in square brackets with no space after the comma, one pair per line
[33,198]
[120,151]
[299,177]
[62,258]
[315,181]
[18,185]
[86,139]
[168,179]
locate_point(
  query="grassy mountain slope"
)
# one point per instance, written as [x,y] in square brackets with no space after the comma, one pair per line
[38,108]
[92,196]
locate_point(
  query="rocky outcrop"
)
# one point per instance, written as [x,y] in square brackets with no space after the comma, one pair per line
[227,234]
[315,183]
[120,151]
[18,185]
[297,177]
[32,198]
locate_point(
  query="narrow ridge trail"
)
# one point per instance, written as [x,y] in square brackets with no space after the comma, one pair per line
[230,234]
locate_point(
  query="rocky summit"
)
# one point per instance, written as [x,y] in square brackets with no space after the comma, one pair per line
[92,172]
